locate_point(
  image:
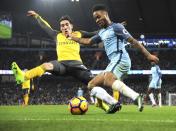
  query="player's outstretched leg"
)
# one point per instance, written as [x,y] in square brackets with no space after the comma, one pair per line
[18,73]
[99,103]
[109,109]
[114,108]
[102,95]
[139,103]
[125,90]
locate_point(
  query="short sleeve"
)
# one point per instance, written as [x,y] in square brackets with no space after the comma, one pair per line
[121,32]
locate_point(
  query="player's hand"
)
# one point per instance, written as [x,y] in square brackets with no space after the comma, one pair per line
[31,13]
[70,36]
[153,58]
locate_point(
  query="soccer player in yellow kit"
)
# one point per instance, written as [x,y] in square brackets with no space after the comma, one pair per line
[26,87]
[68,63]
[26,92]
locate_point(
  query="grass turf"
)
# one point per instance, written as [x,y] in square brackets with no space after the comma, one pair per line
[58,118]
[5,32]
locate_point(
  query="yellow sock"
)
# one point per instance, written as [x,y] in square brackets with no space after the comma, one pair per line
[116,95]
[98,103]
[105,106]
[102,105]
[37,71]
[26,99]
[26,84]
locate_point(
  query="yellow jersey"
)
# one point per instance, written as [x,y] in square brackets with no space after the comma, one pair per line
[66,49]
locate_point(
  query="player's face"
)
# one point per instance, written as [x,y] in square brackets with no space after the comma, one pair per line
[66,27]
[101,18]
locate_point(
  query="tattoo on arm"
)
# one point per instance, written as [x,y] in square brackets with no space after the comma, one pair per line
[139,46]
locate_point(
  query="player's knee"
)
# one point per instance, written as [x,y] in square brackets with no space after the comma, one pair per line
[158,90]
[47,66]
[96,81]
[109,79]
[149,91]
[91,84]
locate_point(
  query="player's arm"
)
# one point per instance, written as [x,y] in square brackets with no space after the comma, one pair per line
[86,34]
[44,25]
[86,41]
[124,34]
[139,46]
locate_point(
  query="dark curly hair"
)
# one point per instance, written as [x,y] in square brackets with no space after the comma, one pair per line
[66,17]
[99,7]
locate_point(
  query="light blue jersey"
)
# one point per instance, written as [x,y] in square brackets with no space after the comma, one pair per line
[114,38]
[156,77]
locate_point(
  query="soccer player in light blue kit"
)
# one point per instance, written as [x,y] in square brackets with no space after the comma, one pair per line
[79,92]
[155,84]
[114,36]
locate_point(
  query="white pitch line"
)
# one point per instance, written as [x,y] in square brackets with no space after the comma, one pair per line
[100,120]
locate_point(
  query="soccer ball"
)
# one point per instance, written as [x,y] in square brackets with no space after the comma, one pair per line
[78,106]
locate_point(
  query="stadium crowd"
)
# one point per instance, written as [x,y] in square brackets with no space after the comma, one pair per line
[92,58]
[57,90]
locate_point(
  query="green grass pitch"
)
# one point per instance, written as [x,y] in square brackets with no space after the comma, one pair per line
[5,32]
[58,118]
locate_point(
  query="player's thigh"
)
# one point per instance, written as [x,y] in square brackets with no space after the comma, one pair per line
[82,74]
[98,80]
[58,68]
[103,79]
[158,90]
[152,87]
[151,90]
[158,87]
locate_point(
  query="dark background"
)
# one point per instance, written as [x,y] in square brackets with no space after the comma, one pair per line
[154,17]
[31,46]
